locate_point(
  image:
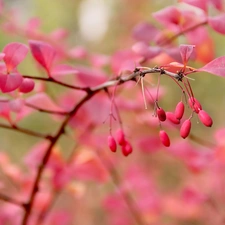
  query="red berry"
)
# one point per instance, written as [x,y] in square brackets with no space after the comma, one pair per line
[179,111]
[27,85]
[164,138]
[172,118]
[195,104]
[185,128]
[127,148]
[112,143]
[205,118]
[161,114]
[120,137]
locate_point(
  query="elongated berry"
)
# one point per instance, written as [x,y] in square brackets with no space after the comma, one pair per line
[185,128]
[112,143]
[120,137]
[161,114]
[172,118]
[164,138]
[127,148]
[179,111]
[194,104]
[205,118]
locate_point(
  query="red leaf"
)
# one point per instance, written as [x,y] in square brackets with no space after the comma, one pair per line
[143,49]
[186,51]
[43,53]
[43,101]
[4,110]
[170,17]
[124,60]
[217,67]
[3,78]
[13,81]
[197,3]
[145,32]
[2,55]
[14,54]
[217,23]
[218,4]
[16,105]
[60,70]
[90,77]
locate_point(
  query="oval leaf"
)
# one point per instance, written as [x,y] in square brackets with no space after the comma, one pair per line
[44,102]
[43,53]
[217,23]
[217,67]
[61,70]
[13,81]
[14,54]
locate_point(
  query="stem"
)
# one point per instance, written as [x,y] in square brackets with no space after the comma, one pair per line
[182,32]
[53,140]
[26,131]
[45,159]
[11,200]
[50,79]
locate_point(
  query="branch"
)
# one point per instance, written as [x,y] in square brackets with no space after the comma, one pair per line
[11,200]
[182,32]
[91,92]
[45,159]
[50,79]
[47,111]
[25,131]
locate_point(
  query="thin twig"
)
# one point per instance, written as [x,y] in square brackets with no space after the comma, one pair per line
[91,92]
[182,32]
[11,200]
[50,79]
[25,131]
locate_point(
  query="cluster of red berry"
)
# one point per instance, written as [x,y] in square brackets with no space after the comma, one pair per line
[121,140]
[176,117]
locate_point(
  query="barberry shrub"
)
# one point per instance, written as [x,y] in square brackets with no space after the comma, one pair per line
[129,137]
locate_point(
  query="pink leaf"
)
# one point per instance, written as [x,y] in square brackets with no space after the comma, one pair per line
[197,3]
[218,23]
[59,34]
[2,55]
[14,54]
[60,70]
[218,4]
[124,60]
[148,52]
[27,85]
[186,51]
[90,77]
[4,110]
[43,101]
[170,17]
[16,105]
[13,81]
[145,32]
[217,67]
[3,78]
[78,52]
[32,26]
[43,53]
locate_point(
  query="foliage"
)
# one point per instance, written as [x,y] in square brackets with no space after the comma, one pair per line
[102,129]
